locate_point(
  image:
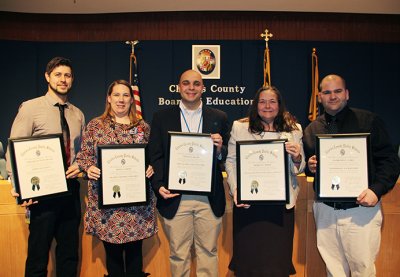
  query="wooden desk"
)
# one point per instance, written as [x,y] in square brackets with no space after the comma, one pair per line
[14,232]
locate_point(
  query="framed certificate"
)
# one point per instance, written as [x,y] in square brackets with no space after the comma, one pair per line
[262,172]
[123,175]
[38,166]
[343,166]
[191,163]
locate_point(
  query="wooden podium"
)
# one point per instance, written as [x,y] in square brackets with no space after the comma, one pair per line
[14,233]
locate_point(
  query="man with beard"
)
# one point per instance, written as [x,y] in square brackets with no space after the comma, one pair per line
[53,218]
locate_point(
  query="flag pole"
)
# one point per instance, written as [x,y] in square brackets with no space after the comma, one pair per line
[267,64]
[313,108]
[133,77]
[132,58]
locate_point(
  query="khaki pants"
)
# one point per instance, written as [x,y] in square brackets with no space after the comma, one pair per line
[348,240]
[194,224]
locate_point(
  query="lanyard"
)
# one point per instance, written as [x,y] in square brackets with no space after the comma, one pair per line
[187,126]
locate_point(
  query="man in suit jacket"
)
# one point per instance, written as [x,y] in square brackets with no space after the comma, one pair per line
[188,218]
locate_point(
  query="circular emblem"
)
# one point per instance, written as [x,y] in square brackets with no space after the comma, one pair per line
[123,161]
[254,184]
[205,61]
[335,180]
[116,188]
[190,149]
[254,187]
[342,152]
[38,153]
[35,180]
[261,157]
[182,174]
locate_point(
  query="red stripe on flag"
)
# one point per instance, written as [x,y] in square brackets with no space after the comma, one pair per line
[137,100]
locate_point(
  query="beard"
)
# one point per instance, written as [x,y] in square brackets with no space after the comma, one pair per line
[58,91]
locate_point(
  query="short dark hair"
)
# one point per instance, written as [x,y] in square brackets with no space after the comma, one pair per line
[56,62]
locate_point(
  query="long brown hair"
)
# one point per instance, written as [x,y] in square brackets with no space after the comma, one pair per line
[132,110]
[283,122]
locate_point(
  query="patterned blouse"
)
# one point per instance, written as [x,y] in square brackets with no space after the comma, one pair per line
[115,225]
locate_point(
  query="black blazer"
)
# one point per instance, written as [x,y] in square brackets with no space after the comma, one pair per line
[214,121]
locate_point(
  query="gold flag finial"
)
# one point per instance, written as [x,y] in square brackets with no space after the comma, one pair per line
[266,35]
[132,43]
[267,64]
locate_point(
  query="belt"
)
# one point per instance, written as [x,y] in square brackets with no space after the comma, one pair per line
[341,205]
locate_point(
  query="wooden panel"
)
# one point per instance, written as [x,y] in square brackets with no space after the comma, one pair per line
[200,26]
[315,265]
[388,261]
[307,261]
[13,234]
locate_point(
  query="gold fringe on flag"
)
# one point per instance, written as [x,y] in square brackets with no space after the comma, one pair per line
[267,68]
[267,62]
[313,108]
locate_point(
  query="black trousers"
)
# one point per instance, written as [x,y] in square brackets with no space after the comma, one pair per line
[57,218]
[119,266]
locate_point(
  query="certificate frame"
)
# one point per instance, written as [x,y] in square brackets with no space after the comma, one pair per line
[343,159]
[262,172]
[191,163]
[38,166]
[122,181]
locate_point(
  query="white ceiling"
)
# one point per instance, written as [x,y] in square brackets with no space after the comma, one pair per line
[118,6]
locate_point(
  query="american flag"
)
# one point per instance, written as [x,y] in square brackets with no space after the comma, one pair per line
[135,88]
[134,79]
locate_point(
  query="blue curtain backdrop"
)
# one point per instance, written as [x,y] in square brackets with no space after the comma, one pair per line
[370,69]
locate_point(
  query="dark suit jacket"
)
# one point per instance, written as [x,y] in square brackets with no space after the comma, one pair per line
[214,121]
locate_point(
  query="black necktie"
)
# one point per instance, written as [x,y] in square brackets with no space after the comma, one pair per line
[332,126]
[65,132]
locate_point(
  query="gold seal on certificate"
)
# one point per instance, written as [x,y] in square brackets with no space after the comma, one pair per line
[254,186]
[262,172]
[35,181]
[117,191]
[38,166]
[191,163]
[343,161]
[123,175]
